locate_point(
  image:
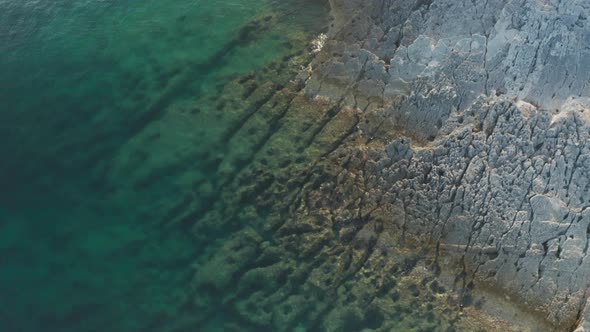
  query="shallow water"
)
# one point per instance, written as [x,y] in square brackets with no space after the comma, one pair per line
[109,132]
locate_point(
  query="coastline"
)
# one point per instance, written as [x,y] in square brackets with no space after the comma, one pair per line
[404,166]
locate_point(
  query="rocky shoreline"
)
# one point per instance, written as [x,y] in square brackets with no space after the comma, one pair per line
[475,128]
[418,166]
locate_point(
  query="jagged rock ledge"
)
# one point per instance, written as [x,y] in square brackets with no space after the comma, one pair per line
[476,118]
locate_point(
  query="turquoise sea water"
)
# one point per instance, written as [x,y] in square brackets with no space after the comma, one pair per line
[109,132]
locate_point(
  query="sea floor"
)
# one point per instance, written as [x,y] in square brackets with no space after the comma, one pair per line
[162,171]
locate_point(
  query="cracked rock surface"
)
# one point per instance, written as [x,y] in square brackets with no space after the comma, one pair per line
[487,108]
